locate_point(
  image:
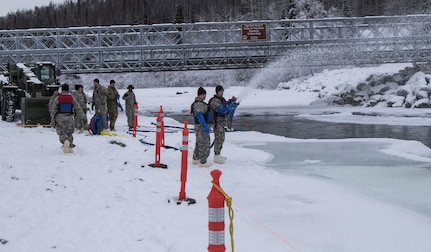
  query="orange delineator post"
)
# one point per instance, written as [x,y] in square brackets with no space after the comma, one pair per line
[158,144]
[184,157]
[135,120]
[162,134]
[158,140]
[216,225]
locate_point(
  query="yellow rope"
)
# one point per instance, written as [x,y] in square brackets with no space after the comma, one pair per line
[106,133]
[230,211]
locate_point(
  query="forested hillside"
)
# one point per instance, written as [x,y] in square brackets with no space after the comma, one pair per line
[120,12]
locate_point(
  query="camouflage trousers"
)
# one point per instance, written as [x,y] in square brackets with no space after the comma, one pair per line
[101,110]
[64,127]
[219,136]
[113,115]
[130,113]
[202,146]
[81,123]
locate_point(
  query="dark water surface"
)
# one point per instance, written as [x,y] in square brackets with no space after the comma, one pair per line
[296,127]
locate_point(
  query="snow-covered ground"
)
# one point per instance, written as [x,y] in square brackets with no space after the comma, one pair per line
[105,197]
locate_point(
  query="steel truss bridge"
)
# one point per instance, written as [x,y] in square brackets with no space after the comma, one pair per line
[314,42]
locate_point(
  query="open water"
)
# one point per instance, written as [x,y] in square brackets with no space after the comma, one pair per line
[296,127]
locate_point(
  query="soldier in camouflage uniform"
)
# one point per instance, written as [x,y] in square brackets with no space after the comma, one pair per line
[221,110]
[130,99]
[202,130]
[99,101]
[111,101]
[52,98]
[62,117]
[81,98]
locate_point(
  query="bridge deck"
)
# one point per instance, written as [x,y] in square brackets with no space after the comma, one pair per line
[315,42]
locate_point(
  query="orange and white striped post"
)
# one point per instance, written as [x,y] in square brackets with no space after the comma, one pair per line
[135,120]
[183,177]
[158,144]
[184,157]
[216,201]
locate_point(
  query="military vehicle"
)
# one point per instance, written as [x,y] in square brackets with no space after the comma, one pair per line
[28,89]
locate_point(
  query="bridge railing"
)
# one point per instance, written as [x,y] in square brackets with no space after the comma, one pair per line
[215,45]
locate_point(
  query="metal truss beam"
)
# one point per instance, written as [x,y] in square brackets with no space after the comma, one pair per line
[164,47]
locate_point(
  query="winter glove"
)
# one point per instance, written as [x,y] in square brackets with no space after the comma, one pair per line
[223,110]
[206,129]
[200,117]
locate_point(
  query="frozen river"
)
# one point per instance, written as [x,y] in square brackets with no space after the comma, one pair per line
[359,165]
[356,164]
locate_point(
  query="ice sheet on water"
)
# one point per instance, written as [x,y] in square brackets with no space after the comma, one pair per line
[359,165]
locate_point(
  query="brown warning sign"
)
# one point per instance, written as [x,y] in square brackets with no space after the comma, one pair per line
[253,32]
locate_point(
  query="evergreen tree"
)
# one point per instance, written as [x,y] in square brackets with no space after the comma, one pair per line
[346,9]
[113,12]
[179,16]
[291,10]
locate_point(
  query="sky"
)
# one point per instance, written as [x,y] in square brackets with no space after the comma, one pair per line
[11,6]
[106,197]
